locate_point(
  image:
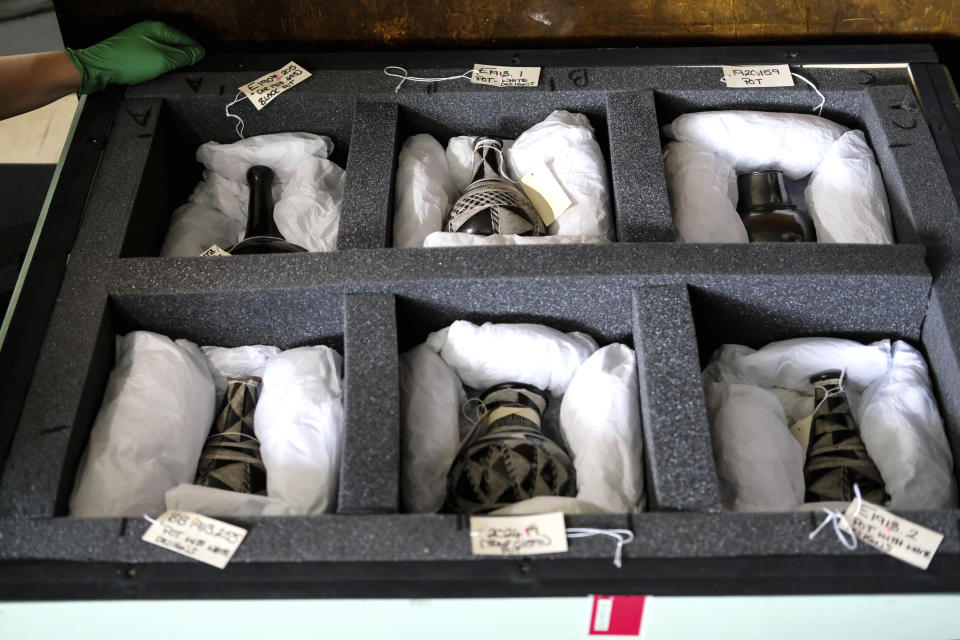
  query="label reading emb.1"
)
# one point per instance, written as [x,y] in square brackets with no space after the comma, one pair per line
[196,536]
[264,89]
[545,193]
[893,535]
[518,535]
[497,76]
[768,75]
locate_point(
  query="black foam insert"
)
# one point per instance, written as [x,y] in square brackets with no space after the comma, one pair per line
[674,303]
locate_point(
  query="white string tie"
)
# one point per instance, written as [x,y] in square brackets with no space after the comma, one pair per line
[405,76]
[149,519]
[622,536]
[840,527]
[239,128]
[823,100]
[481,410]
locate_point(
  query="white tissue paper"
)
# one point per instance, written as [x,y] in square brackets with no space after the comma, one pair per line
[220,503]
[759,463]
[152,424]
[548,504]
[565,143]
[793,143]
[904,434]
[460,161]
[451,239]
[703,194]
[236,362]
[424,191]
[846,197]
[600,420]
[308,193]
[891,400]
[299,422]
[490,354]
[430,401]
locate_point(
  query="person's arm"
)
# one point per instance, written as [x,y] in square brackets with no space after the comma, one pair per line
[32,80]
[136,54]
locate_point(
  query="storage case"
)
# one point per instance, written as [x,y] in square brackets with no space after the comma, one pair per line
[130,163]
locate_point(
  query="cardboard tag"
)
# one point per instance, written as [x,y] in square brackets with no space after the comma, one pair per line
[264,89]
[196,536]
[893,535]
[496,76]
[616,615]
[546,194]
[518,535]
[214,250]
[767,75]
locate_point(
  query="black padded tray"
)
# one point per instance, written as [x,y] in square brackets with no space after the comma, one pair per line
[674,303]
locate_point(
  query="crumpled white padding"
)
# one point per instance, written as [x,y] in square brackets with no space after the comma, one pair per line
[846,197]
[152,424]
[600,420]
[903,431]
[236,362]
[451,239]
[424,191]
[793,143]
[759,463]
[891,399]
[430,400]
[460,161]
[703,194]
[220,503]
[548,504]
[299,422]
[308,194]
[490,354]
[565,143]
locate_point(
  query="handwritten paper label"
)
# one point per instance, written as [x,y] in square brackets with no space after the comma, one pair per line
[546,194]
[264,89]
[893,535]
[214,250]
[518,535]
[497,76]
[196,536]
[768,75]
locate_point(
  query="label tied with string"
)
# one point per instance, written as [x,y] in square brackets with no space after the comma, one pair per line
[266,88]
[545,193]
[498,76]
[893,535]
[768,75]
[190,534]
[518,535]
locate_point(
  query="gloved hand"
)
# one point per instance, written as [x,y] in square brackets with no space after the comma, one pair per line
[136,54]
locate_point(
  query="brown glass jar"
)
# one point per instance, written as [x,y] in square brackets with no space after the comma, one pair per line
[767,211]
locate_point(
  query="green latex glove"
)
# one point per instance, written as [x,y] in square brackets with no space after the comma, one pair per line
[136,54]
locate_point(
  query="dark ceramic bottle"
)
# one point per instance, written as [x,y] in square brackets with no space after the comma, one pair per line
[262,235]
[767,211]
[506,458]
[493,204]
[231,456]
[836,457]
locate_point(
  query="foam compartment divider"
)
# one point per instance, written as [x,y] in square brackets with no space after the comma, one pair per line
[370,469]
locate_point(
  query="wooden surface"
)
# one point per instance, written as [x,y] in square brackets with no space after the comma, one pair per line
[507,23]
